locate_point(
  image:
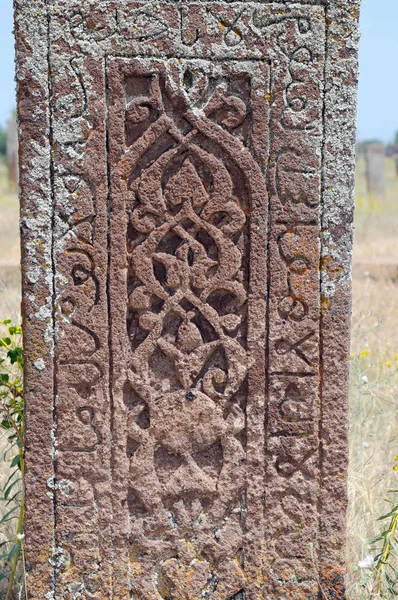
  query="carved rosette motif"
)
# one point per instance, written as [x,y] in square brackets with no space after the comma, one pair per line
[187,250]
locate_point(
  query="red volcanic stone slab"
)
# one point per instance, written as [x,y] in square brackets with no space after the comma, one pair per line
[186,183]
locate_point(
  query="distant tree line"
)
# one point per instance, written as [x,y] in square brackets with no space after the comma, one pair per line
[390,148]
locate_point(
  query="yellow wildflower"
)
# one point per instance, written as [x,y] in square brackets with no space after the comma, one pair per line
[364,353]
[388,363]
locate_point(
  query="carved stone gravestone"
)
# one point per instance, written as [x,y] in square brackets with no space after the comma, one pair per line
[375,169]
[186,181]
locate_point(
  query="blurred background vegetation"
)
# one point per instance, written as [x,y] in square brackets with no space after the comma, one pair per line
[373,402]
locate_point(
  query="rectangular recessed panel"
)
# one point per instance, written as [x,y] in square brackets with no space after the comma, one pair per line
[188,283]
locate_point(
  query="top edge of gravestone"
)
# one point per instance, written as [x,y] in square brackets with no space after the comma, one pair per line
[346,5]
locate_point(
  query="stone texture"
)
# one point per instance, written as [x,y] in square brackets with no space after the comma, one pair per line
[375,169]
[186,186]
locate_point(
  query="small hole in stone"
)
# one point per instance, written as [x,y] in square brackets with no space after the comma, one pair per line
[157,305]
[190,257]
[143,419]
[160,271]
[187,305]
[131,447]
[188,79]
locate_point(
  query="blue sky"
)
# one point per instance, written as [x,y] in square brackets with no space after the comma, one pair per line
[378,88]
[378,81]
[7,87]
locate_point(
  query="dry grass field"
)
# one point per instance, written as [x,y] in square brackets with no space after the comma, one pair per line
[374,373]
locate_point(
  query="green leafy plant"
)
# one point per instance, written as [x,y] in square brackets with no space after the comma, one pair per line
[12,424]
[385,565]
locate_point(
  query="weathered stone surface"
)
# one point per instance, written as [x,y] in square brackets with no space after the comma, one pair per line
[186,182]
[375,169]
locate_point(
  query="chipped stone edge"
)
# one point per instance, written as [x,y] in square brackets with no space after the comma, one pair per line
[32,77]
[341,73]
